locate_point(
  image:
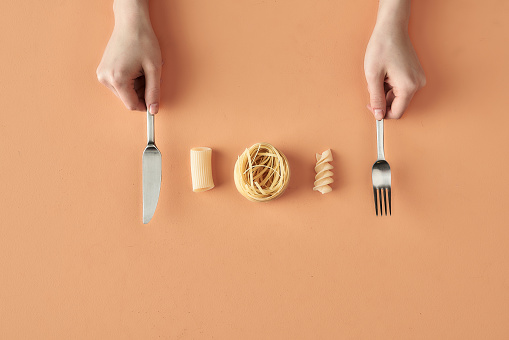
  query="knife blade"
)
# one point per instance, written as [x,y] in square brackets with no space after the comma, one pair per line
[151,172]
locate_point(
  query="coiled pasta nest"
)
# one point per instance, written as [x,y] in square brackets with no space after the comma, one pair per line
[261,173]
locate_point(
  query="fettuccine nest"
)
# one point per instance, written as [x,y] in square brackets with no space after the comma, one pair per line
[261,173]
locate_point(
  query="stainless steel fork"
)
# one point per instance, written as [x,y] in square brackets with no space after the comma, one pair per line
[381,173]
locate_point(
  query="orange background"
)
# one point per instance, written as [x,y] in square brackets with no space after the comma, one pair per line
[77,263]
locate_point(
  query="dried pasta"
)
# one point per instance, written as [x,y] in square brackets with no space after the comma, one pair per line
[261,173]
[201,169]
[323,172]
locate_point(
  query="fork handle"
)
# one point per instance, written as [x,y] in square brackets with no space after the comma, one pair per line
[380,138]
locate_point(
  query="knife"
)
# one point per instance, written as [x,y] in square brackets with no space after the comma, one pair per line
[151,172]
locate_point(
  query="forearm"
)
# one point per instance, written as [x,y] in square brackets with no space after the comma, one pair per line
[130,12]
[393,13]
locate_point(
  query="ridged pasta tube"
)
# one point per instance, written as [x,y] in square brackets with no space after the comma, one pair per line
[323,174]
[201,169]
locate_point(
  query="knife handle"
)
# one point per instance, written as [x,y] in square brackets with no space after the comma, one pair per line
[150,128]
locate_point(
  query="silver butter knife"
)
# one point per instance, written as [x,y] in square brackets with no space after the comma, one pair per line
[151,172]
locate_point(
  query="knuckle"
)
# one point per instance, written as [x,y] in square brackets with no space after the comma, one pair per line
[117,81]
[152,92]
[376,99]
[152,67]
[119,77]
[412,85]
[409,87]
[130,106]
[101,77]
[416,85]
[374,90]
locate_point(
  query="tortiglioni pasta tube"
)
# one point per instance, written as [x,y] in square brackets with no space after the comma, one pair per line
[201,169]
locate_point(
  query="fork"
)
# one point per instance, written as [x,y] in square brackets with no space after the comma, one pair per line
[381,173]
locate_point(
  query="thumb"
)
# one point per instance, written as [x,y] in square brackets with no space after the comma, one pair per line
[152,88]
[377,96]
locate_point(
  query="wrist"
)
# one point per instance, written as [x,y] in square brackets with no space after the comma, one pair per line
[393,14]
[131,12]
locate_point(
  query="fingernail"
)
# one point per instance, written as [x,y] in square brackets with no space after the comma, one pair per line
[154,108]
[379,114]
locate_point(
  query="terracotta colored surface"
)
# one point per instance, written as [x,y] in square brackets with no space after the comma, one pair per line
[77,263]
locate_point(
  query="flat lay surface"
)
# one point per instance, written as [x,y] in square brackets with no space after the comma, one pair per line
[76,260]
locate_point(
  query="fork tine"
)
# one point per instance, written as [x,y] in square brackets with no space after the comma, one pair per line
[380,199]
[385,200]
[389,189]
[376,203]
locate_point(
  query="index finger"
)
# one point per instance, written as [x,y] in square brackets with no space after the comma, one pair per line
[130,98]
[399,105]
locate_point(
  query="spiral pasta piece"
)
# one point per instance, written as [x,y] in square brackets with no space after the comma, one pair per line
[323,174]
[261,173]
